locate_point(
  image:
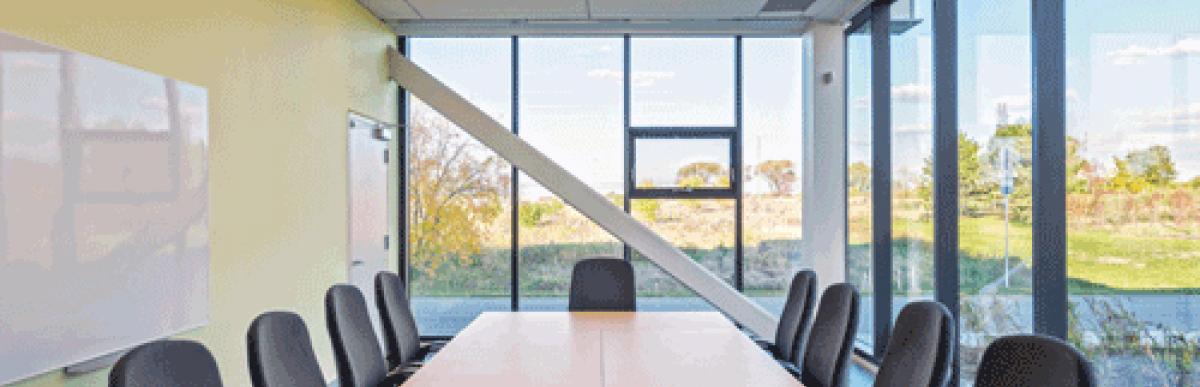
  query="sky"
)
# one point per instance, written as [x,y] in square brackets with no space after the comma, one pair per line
[571,97]
[1133,81]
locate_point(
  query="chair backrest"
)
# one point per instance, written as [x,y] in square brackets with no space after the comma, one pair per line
[603,284]
[1032,360]
[797,313]
[166,363]
[281,352]
[355,348]
[399,327]
[829,342]
[921,349]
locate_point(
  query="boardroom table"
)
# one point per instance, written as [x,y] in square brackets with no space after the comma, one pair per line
[593,349]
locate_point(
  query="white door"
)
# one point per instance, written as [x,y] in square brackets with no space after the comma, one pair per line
[368,194]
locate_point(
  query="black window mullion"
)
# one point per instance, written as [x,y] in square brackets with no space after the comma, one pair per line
[735,179]
[515,242]
[881,176]
[1049,168]
[402,174]
[945,161]
[627,253]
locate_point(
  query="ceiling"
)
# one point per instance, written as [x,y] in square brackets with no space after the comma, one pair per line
[582,16]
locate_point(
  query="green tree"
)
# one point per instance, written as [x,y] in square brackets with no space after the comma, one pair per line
[858,177]
[780,175]
[978,191]
[1153,164]
[702,174]
[456,189]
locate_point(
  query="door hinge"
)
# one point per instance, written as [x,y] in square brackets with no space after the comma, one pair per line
[387,242]
[386,156]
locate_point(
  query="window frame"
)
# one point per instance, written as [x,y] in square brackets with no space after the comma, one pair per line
[683,134]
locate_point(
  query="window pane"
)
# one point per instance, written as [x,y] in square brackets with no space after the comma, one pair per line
[858,177]
[703,229]
[771,150]
[995,170]
[561,101]
[912,136]
[1133,189]
[680,81]
[682,162]
[459,206]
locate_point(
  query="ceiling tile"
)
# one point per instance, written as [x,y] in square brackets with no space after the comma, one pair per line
[501,9]
[675,9]
[389,9]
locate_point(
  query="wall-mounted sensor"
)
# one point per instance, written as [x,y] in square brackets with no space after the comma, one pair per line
[827,77]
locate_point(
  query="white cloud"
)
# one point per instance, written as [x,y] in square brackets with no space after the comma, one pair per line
[1165,117]
[912,92]
[1134,53]
[638,79]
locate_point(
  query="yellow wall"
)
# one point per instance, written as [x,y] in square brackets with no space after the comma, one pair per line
[281,75]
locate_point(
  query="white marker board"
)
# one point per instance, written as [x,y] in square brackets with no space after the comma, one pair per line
[103,207]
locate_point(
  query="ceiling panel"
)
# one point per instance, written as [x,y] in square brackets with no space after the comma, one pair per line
[675,9]
[497,9]
[389,9]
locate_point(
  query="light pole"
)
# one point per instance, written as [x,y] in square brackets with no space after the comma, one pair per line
[1006,188]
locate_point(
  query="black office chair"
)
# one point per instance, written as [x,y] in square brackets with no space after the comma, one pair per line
[921,349]
[355,349]
[602,284]
[829,341]
[166,363]
[790,335]
[404,346]
[281,352]
[1031,360]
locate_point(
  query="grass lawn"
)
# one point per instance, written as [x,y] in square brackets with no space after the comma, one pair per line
[1099,261]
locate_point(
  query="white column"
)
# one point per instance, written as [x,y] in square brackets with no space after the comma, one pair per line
[824,165]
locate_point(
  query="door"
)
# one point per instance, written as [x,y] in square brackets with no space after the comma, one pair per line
[368,195]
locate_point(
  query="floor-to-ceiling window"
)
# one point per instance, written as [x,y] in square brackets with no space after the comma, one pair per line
[911,141]
[772,90]
[459,211]
[677,86]
[1133,189]
[858,175]
[994,175]
[667,137]
[570,96]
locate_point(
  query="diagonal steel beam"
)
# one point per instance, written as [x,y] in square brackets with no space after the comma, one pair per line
[579,195]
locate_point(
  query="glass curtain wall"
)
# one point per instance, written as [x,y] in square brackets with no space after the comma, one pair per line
[571,108]
[459,217]
[678,83]
[1133,189]
[773,119]
[858,177]
[912,137]
[570,97]
[995,162]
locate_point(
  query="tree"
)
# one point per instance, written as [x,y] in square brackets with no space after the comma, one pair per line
[858,177]
[977,192]
[456,189]
[1153,165]
[780,175]
[702,174]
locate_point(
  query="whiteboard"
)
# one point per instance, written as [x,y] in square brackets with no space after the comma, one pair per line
[103,207]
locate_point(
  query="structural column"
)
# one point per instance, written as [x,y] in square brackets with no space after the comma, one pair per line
[823,183]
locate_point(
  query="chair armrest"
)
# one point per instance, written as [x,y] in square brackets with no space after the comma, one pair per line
[394,379]
[789,367]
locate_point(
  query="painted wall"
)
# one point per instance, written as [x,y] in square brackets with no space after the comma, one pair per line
[280,75]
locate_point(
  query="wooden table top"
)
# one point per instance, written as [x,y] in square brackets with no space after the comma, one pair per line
[593,349]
